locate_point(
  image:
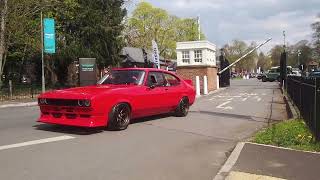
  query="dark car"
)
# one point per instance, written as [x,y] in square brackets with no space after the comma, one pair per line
[314,74]
[274,74]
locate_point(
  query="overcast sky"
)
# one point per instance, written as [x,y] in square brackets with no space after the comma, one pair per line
[248,20]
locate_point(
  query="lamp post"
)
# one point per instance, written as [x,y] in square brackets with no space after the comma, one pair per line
[42,57]
[299,53]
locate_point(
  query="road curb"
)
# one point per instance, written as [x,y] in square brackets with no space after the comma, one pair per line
[19,105]
[226,168]
[292,110]
[283,148]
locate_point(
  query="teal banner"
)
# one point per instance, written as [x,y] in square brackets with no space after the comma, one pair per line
[49,36]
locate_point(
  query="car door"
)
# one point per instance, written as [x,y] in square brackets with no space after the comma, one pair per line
[274,74]
[154,98]
[173,90]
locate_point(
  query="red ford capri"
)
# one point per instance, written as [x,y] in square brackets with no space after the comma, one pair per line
[119,97]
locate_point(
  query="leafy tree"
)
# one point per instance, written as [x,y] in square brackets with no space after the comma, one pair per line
[87,29]
[3,19]
[275,53]
[237,49]
[20,38]
[299,53]
[264,62]
[83,28]
[150,23]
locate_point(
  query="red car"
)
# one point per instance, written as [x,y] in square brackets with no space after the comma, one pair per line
[117,98]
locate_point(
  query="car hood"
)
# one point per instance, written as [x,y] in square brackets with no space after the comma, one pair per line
[81,92]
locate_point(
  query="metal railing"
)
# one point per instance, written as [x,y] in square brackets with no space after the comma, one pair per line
[19,92]
[305,94]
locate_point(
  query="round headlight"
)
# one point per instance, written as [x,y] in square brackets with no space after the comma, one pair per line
[87,103]
[43,101]
[80,102]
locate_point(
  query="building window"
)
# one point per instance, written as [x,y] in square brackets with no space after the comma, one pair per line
[198,56]
[185,57]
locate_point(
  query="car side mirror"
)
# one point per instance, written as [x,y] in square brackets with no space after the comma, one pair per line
[152,86]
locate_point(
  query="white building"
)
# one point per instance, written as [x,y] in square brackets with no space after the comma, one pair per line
[193,53]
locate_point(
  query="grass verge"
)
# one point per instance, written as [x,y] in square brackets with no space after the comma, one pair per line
[290,134]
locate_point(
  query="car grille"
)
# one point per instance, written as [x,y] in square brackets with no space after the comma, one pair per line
[62,102]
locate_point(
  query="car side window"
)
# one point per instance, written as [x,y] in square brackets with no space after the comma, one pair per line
[171,80]
[156,78]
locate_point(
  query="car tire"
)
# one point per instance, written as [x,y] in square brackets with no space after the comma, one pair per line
[264,79]
[183,108]
[119,117]
[279,79]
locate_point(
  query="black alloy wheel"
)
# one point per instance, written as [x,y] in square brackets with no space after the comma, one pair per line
[183,108]
[264,79]
[279,79]
[119,118]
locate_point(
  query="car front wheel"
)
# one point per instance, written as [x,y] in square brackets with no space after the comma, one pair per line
[119,117]
[183,107]
[264,79]
[279,79]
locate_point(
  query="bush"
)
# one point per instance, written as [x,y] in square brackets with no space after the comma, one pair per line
[291,134]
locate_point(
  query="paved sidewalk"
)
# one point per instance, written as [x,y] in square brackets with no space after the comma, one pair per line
[268,162]
[18,103]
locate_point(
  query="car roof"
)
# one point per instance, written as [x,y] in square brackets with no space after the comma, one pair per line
[140,69]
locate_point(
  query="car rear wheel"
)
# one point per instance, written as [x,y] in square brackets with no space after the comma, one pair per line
[183,107]
[119,117]
[279,79]
[264,79]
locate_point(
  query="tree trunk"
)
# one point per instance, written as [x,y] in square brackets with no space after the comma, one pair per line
[2,37]
[53,75]
[23,61]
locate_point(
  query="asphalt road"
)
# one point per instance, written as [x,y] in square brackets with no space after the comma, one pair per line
[157,148]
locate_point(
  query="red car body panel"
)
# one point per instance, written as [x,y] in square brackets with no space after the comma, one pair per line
[143,101]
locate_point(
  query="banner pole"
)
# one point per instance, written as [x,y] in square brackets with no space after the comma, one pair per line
[42,58]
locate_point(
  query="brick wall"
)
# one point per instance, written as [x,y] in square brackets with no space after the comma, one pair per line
[190,72]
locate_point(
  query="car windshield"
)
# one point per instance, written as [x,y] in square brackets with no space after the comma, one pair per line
[123,77]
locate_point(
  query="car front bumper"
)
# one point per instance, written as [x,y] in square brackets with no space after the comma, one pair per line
[81,117]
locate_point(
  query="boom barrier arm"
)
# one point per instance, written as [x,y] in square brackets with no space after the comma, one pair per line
[242,57]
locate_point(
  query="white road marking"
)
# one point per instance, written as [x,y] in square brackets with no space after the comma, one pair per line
[230,99]
[221,106]
[219,96]
[247,94]
[244,99]
[40,141]
[258,98]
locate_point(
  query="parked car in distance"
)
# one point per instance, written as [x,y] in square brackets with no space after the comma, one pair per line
[119,97]
[271,75]
[314,74]
[252,75]
[274,74]
[295,72]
